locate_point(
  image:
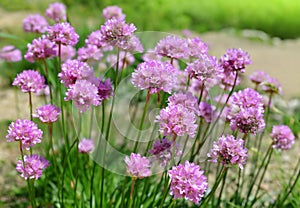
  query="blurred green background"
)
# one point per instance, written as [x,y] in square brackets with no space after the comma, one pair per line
[278,18]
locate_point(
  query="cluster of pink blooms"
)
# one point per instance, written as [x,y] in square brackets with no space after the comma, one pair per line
[138,166]
[25,131]
[162,151]
[86,146]
[283,138]
[105,89]
[30,81]
[67,52]
[47,113]
[41,48]
[63,33]
[267,83]
[188,182]
[33,166]
[206,111]
[35,23]
[188,100]
[113,12]
[154,76]
[57,12]
[10,54]
[196,47]
[89,52]
[246,111]
[229,151]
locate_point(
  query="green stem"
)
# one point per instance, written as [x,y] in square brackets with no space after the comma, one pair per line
[222,187]
[131,191]
[49,81]
[30,105]
[50,126]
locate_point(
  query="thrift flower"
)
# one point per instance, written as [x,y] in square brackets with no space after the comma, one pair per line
[258,77]
[177,120]
[25,131]
[57,12]
[30,81]
[40,48]
[271,85]
[47,113]
[83,94]
[35,23]
[89,52]
[33,167]
[283,138]
[186,99]
[63,33]
[229,151]
[154,76]
[86,146]
[138,166]
[10,54]
[206,111]
[196,47]
[67,52]
[105,89]
[113,11]
[188,182]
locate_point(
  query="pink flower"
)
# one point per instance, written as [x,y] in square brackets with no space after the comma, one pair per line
[25,131]
[206,111]
[229,151]
[33,167]
[186,99]
[10,54]
[57,12]
[258,77]
[283,138]
[40,48]
[113,11]
[196,47]
[86,146]
[154,75]
[30,81]
[138,166]
[67,52]
[89,52]
[35,23]
[188,181]
[63,33]
[105,89]
[47,113]
[83,94]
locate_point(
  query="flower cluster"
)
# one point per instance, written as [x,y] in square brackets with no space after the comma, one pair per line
[57,12]
[229,151]
[63,33]
[25,131]
[33,166]
[113,12]
[186,99]
[154,76]
[10,54]
[30,81]
[40,48]
[86,146]
[206,111]
[235,60]
[246,111]
[47,113]
[89,52]
[105,89]
[188,181]
[283,138]
[138,166]
[35,23]
[196,47]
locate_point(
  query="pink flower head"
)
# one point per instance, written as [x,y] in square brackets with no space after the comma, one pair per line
[67,52]
[83,94]
[180,79]
[177,120]
[150,55]
[86,146]
[154,75]
[206,111]
[105,89]
[227,80]
[162,151]
[283,138]
[95,38]
[188,182]
[47,113]
[186,99]
[196,47]
[113,12]
[25,131]
[10,54]
[33,167]
[89,52]
[57,12]
[235,60]
[134,45]
[40,48]
[204,67]
[63,33]
[229,151]
[258,77]
[30,81]
[35,23]
[125,59]
[138,166]
[116,32]
[172,47]
[73,70]
[271,85]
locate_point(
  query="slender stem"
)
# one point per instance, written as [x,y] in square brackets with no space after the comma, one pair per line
[222,187]
[30,105]
[167,187]
[142,121]
[49,81]
[131,191]
[50,126]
